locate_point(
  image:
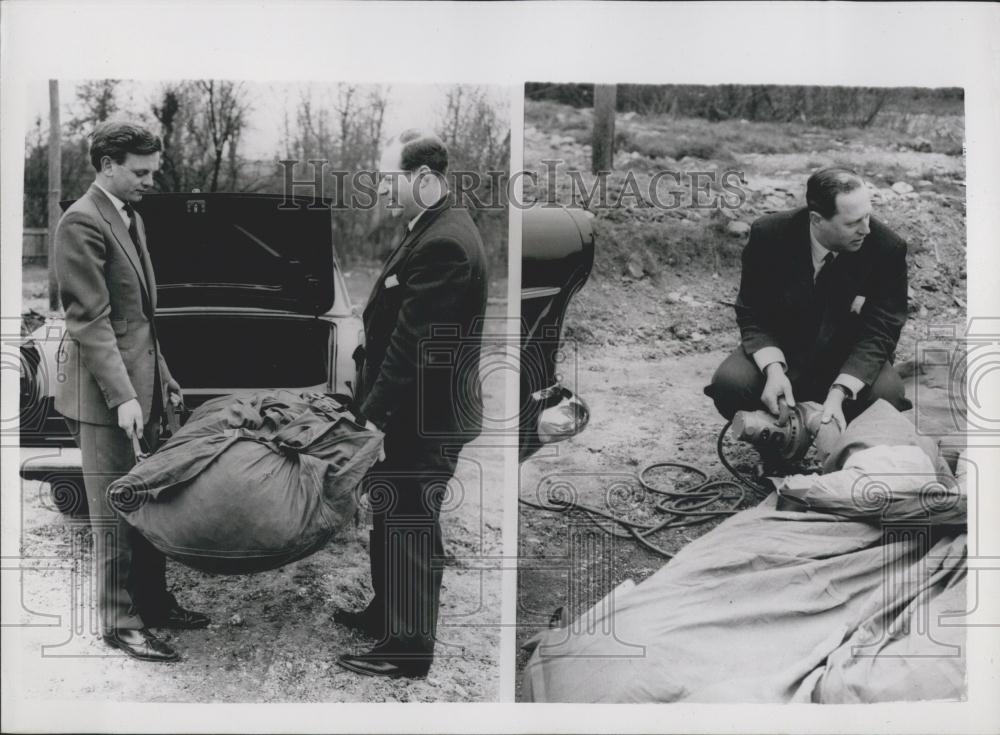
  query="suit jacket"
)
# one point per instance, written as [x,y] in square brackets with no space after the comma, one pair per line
[423,332]
[109,353]
[778,306]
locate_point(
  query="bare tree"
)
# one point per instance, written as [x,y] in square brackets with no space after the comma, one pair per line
[343,125]
[98,102]
[225,113]
[169,114]
[476,132]
[201,125]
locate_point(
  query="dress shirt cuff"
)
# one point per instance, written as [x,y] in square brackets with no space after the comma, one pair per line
[115,401]
[766,355]
[853,384]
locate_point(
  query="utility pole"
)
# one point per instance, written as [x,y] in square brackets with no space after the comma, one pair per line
[603,142]
[55,189]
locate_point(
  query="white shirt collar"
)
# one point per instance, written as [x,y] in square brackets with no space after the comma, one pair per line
[819,253]
[119,204]
[413,222]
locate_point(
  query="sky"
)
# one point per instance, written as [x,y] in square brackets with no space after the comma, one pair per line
[410,105]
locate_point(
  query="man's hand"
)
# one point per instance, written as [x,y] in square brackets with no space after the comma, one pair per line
[777,386]
[381,450]
[833,407]
[130,417]
[174,394]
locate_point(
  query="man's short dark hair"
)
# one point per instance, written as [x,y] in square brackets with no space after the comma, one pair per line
[423,149]
[824,186]
[116,139]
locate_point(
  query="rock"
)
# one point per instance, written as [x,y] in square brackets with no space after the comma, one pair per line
[924,184]
[634,267]
[901,187]
[673,297]
[736,228]
[680,330]
[236,619]
[696,337]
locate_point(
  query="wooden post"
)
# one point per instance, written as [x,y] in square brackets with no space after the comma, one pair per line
[603,142]
[55,189]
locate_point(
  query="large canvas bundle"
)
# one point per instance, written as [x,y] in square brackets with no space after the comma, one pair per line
[251,482]
[838,588]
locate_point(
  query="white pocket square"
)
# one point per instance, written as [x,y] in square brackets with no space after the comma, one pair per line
[856,305]
[391,281]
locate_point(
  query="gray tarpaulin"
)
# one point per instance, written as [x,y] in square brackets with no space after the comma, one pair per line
[843,587]
[251,482]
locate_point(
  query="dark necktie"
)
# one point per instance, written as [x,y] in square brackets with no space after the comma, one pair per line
[823,276]
[133,228]
[133,231]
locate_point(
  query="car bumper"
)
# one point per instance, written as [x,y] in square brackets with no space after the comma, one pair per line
[45,466]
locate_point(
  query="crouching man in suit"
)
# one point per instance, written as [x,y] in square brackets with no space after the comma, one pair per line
[420,385]
[113,380]
[822,300]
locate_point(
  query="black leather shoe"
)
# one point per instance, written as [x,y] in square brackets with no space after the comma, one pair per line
[367,621]
[178,617]
[381,663]
[140,644]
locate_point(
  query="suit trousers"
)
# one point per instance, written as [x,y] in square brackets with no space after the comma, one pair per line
[405,493]
[131,572]
[738,383]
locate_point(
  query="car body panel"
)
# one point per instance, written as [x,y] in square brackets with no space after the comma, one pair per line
[557,245]
[243,250]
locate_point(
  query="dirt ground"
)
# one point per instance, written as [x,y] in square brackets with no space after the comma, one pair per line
[272,638]
[655,319]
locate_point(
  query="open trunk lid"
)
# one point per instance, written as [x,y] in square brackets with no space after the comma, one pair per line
[239,250]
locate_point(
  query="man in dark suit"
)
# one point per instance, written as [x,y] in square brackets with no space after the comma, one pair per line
[420,385]
[113,380]
[823,297]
